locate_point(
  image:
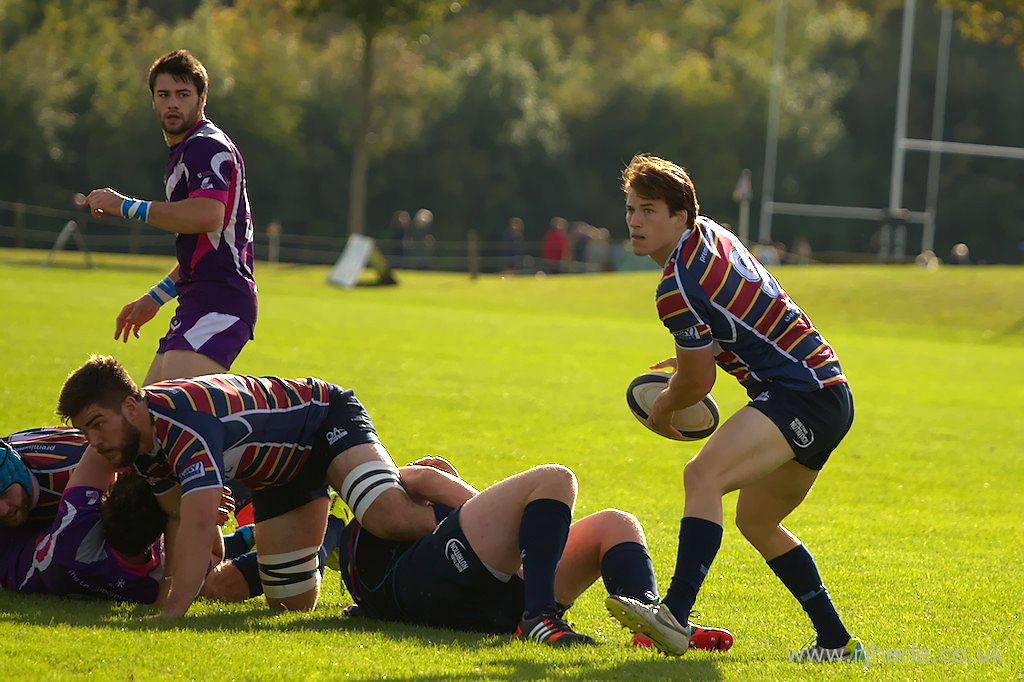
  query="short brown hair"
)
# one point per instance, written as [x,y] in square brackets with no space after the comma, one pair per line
[102,381]
[185,68]
[654,178]
[132,518]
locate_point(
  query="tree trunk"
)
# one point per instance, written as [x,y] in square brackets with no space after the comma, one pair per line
[361,150]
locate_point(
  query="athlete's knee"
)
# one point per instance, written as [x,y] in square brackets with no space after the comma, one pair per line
[699,476]
[291,580]
[619,526]
[558,481]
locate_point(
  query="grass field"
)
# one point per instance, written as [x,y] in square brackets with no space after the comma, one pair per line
[912,522]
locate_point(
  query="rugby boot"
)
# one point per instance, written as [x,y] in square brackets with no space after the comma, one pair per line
[550,629]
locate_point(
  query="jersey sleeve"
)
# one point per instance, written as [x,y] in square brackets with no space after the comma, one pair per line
[211,166]
[685,324]
[193,452]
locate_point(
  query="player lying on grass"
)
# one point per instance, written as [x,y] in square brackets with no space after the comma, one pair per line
[35,472]
[506,560]
[284,438]
[723,307]
[102,543]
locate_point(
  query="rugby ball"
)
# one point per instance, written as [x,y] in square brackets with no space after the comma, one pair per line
[694,422]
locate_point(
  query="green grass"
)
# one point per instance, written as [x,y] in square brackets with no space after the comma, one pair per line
[912,522]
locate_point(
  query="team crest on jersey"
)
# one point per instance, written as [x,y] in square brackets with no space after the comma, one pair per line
[804,436]
[455,552]
[193,471]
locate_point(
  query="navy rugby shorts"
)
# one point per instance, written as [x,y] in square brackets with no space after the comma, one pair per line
[441,582]
[347,424]
[813,422]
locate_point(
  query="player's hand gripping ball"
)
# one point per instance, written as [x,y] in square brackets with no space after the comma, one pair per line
[694,422]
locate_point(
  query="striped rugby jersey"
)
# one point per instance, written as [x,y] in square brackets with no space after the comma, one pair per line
[221,427]
[714,292]
[51,453]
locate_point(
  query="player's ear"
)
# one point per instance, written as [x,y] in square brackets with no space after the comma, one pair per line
[683,216]
[130,406]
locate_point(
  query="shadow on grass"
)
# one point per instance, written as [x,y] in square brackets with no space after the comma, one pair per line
[500,661]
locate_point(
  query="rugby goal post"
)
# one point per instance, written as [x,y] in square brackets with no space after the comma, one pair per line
[360,253]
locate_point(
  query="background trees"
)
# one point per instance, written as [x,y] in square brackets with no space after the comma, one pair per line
[513,108]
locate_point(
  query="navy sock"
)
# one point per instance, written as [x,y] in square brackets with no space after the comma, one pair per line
[797,571]
[250,570]
[699,540]
[239,542]
[627,570]
[542,534]
[332,538]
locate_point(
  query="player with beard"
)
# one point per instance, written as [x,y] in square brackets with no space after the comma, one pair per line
[208,208]
[286,439]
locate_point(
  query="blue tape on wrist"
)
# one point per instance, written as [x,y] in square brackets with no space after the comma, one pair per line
[163,291]
[135,208]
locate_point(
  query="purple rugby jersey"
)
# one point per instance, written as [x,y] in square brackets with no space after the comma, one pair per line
[72,557]
[215,267]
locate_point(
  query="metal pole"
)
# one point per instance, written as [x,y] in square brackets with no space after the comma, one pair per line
[771,146]
[938,124]
[902,98]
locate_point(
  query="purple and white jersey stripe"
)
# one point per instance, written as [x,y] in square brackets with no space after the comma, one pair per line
[215,267]
[72,556]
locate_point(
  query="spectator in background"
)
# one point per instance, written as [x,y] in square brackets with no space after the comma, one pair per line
[399,236]
[801,254]
[582,233]
[598,253]
[555,247]
[512,249]
[927,260]
[422,239]
[768,253]
[960,254]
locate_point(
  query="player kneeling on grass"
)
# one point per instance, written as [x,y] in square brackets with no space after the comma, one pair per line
[284,438]
[503,560]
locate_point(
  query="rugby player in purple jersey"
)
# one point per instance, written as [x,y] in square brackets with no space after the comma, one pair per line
[208,208]
[723,308]
[100,544]
[283,438]
[103,541]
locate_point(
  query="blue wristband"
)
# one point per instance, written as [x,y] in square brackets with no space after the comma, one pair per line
[163,291]
[135,208]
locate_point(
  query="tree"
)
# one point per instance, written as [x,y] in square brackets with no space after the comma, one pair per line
[991,21]
[372,17]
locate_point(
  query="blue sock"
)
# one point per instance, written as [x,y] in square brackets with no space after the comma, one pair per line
[699,540]
[797,571]
[627,571]
[250,570]
[332,538]
[543,531]
[239,542]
